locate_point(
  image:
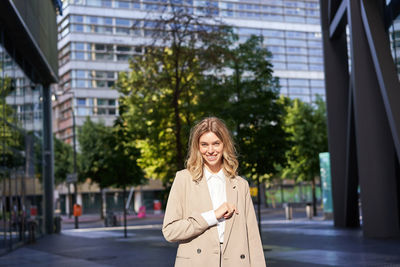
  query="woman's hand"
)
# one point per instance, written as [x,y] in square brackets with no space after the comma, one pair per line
[225,211]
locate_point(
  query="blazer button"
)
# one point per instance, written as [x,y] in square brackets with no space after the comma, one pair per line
[242,256]
[198,251]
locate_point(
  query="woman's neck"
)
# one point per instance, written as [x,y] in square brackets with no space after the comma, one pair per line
[214,169]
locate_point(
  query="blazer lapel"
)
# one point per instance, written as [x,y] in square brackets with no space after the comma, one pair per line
[206,203]
[231,197]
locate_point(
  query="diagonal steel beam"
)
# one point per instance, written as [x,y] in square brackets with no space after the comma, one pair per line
[338,22]
[384,66]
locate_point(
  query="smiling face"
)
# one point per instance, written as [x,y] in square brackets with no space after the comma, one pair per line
[211,149]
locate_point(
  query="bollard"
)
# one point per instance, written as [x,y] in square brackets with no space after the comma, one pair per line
[115,221]
[142,212]
[31,231]
[111,219]
[57,224]
[288,211]
[309,211]
[157,206]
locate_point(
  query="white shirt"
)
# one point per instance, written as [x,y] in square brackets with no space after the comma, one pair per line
[217,188]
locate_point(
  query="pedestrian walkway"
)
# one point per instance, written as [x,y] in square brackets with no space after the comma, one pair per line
[298,242]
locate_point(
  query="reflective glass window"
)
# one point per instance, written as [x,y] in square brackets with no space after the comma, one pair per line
[81,101]
[122,22]
[298,82]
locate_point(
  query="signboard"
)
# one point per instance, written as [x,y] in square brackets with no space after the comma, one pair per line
[253,191]
[325,171]
[34,211]
[72,178]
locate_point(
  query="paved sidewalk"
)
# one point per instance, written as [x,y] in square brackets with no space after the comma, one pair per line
[298,243]
[96,217]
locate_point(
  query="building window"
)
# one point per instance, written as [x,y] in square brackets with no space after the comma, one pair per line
[81,101]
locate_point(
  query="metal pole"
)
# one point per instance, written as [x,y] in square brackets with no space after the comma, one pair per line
[259,206]
[68,200]
[48,167]
[74,140]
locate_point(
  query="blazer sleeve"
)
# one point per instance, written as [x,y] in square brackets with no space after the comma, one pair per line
[256,251]
[176,227]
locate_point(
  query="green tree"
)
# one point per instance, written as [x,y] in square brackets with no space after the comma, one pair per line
[161,90]
[63,160]
[93,155]
[306,127]
[121,161]
[247,99]
[121,157]
[108,156]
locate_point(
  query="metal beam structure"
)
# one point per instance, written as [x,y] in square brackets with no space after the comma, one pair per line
[363,118]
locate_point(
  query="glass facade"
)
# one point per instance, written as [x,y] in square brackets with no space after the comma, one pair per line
[394,35]
[21,144]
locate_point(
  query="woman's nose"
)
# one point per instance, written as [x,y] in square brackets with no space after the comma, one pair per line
[210,149]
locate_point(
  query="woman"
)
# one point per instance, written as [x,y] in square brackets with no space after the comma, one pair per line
[209,210]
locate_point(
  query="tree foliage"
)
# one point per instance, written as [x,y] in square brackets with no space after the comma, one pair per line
[307,133]
[63,160]
[121,158]
[108,156]
[246,97]
[91,136]
[160,91]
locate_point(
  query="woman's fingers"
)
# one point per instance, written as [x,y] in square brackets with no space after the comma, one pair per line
[225,210]
[230,210]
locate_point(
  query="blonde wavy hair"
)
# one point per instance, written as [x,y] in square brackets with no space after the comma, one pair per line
[194,162]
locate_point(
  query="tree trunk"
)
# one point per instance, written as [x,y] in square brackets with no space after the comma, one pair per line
[259,206]
[102,207]
[69,199]
[179,152]
[175,104]
[314,198]
[264,201]
[124,196]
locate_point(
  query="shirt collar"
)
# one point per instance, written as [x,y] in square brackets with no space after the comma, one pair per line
[209,174]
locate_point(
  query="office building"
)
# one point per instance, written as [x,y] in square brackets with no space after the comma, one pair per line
[28,66]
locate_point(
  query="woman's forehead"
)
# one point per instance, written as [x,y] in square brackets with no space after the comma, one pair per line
[209,137]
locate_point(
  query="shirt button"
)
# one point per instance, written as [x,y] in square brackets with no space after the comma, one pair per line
[198,251]
[242,256]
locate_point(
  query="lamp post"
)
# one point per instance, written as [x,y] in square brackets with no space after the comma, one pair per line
[75,169]
[73,178]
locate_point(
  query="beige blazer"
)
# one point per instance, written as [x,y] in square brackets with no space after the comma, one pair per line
[198,243]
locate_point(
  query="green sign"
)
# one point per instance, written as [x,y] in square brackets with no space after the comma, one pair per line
[325,171]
